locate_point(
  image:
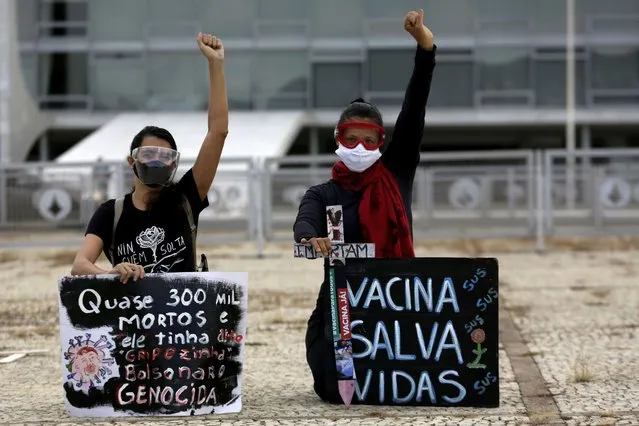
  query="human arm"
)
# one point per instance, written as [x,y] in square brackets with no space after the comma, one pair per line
[403,151]
[84,262]
[208,158]
[310,224]
[98,235]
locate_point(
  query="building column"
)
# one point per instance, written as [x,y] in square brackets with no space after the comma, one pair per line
[587,177]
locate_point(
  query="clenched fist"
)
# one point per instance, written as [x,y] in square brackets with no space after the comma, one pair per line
[211,47]
[414,25]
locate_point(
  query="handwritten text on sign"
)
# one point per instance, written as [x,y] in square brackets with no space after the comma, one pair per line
[425,331]
[168,344]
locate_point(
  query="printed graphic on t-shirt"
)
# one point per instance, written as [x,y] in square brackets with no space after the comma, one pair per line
[151,251]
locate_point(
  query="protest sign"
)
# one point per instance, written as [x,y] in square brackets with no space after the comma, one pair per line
[425,331]
[169,344]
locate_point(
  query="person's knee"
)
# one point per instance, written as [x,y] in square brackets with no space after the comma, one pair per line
[321,361]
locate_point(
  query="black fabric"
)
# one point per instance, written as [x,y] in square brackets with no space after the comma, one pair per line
[401,156]
[159,239]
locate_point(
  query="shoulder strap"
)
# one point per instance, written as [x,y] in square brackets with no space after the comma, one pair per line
[189,216]
[117,212]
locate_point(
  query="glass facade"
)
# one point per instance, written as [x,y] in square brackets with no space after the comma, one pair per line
[140,54]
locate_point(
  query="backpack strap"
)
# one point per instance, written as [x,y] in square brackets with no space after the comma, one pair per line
[117,213]
[186,205]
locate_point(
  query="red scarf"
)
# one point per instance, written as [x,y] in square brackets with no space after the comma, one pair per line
[381,210]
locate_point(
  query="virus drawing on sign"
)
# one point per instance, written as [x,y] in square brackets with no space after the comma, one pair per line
[477,336]
[88,361]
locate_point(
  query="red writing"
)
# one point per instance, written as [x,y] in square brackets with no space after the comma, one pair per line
[169,353]
[344,314]
[229,336]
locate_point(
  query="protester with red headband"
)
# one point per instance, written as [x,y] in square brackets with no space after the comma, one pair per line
[374,190]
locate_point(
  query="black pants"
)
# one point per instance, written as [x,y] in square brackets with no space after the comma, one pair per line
[320,354]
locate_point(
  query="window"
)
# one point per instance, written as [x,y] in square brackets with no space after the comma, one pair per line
[280,79]
[63,82]
[60,18]
[27,11]
[177,81]
[615,68]
[230,19]
[117,20]
[395,9]
[283,9]
[550,81]
[549,17]
[619,16]
[336,84]
[453,86]
[451,17]
[172,19]
[504,76]
[119,81]
[515,9]
[282,18]
[614,75]
[504,16]
[238,66]
[337,18]
[390,70]
[386,18]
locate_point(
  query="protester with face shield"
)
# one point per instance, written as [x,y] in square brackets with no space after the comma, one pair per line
[152,229]
[374,190]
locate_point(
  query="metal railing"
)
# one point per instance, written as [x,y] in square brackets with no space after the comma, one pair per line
[456,195]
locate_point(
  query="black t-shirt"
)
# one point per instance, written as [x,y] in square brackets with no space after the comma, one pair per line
[159,239]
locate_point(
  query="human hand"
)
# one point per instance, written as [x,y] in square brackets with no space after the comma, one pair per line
[211,47]
[322,245]
[414,25]
[127,270]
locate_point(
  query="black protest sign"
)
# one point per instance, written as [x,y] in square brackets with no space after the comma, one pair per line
[167,344]
[425,331]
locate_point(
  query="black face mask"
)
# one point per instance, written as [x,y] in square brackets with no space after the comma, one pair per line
[154,173]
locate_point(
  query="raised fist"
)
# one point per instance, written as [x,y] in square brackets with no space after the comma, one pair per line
[211,47]
[414,25]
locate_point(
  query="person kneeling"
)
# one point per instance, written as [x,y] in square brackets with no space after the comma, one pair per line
[374,190]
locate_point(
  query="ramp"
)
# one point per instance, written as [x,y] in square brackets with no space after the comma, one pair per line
[251,134]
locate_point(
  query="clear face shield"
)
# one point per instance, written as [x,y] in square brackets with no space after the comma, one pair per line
[155,166]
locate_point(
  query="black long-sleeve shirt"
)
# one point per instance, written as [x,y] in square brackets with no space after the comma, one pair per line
[400,157]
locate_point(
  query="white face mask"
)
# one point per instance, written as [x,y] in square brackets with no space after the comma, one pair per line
[358,159]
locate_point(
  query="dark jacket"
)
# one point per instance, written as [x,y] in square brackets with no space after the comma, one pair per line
[401,156]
